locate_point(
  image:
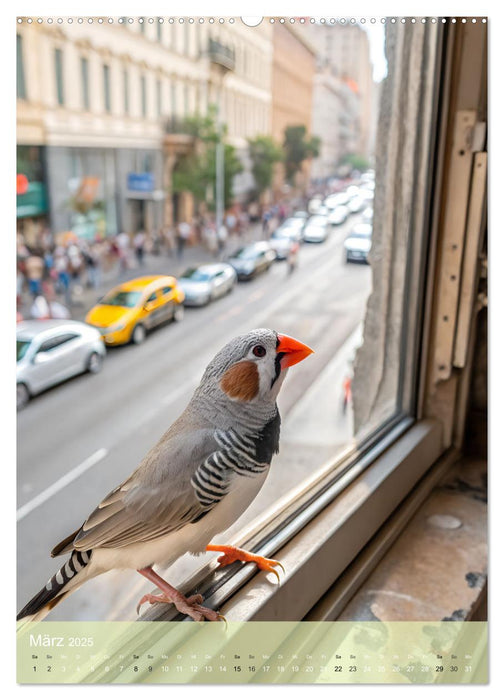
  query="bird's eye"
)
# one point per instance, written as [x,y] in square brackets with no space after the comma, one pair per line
[259,351]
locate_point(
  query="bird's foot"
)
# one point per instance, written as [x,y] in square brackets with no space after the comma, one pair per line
[232,554]
[187,606]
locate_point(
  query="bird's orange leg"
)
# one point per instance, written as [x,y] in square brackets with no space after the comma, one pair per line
[188,606]
[231,554]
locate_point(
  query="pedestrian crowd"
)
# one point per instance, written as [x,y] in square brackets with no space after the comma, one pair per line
[55,271]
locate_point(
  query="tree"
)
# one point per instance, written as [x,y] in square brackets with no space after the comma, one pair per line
[297,148]
[356,162]
[197,172]
[264,153]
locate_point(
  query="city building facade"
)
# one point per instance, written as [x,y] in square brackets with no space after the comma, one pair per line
[344,104]
[99,105]
[293,74]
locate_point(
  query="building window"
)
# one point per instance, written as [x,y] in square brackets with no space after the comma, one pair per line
[143,92]
[20,77]
[159,98]
[173,90]
[186,99]
[85,83]
[58,65]
[126,91]
[142,25]
[186,38]
[159,31]
[106,88]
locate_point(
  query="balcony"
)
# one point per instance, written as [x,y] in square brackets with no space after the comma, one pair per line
[221,55]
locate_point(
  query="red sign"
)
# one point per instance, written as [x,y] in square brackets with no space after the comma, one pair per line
[21,184]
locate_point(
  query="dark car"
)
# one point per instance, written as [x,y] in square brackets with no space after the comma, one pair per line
[252,259]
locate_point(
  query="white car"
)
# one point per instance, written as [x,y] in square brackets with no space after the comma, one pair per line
[316,230]
[293,223]
[338,215]
[358,243]
[49,352]
[283,238]
[314,205]
[336,200]
[367,215]
[356,204]
[205,283]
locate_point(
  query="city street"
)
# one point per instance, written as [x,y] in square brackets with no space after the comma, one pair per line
[79,440]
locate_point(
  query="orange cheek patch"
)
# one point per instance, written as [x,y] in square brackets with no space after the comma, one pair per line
[241,381]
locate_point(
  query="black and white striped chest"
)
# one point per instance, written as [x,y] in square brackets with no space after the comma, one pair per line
[238,454]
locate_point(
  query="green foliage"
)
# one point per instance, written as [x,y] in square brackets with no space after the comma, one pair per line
[264,153]
[196,172]
[297,148]
[356,162]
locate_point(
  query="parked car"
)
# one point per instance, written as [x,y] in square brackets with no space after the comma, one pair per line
[49,352]
[252,259]
[356,204]
[316,230]
[207,282]
[335,200]
[294,223]
[299,214]
[338,215]
[358,243]
[283,239]
[367,215]
[314,205]
[130,310]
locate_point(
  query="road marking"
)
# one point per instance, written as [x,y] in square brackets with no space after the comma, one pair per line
[257,295]
[61,483]
[233,311]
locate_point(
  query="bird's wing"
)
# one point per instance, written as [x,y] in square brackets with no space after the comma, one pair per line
[158,498]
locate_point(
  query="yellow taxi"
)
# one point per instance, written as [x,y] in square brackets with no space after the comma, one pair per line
[130,310]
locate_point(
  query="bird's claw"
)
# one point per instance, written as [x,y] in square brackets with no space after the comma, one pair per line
[232,554]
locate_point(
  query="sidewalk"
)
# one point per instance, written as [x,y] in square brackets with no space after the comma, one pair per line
[83,297]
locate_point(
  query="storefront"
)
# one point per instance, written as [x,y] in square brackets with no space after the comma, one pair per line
[32,207]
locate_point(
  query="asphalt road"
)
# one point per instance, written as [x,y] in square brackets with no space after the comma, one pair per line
[79,440]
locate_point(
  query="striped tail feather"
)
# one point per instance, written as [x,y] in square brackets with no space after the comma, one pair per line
[71,575]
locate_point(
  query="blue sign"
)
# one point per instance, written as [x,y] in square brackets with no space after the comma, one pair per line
[141,182]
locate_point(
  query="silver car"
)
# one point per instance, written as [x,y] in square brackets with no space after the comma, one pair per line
[49,352]
[316,230]
[207,282]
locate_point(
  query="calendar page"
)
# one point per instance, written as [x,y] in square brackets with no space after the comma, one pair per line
[246,290]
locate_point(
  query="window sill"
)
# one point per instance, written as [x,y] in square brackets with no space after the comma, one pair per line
[437,567]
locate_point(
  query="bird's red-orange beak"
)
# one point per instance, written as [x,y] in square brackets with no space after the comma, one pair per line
[292,350]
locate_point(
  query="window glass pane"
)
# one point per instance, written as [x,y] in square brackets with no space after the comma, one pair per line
[143,94]
[126,91]
[20,73]
[58,64]
[159,99]
[106,88]
[85,83]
